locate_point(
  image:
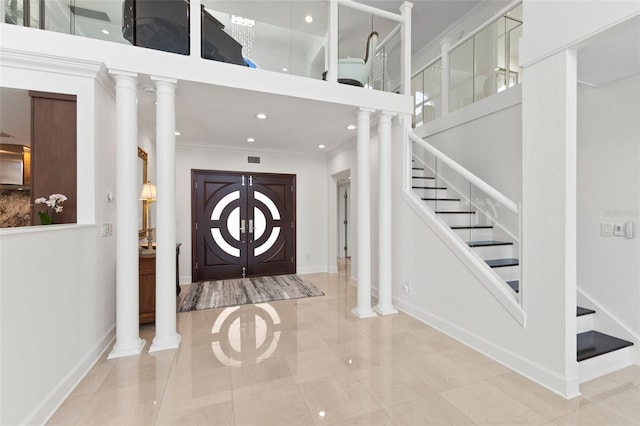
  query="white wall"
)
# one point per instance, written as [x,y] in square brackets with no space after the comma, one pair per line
[551,26]
[57,283]
[341,162]
[311,197]
[609,192]
[485,138]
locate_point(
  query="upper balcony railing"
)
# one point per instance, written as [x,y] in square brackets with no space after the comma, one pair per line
[319,39]
[479,65]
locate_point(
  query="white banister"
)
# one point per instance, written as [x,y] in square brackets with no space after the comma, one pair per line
[372,10]
[488,189]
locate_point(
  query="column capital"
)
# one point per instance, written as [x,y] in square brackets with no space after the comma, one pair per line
[159,79]
[122,73]
[368,110]
[388,114]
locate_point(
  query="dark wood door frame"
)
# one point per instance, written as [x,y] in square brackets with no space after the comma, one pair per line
[235,198]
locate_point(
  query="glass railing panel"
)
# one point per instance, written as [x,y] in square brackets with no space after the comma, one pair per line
[461,76]
[432,106]
[489,57]
[385,73]
[419,97]
[514,33]
[381,69]
[281,36]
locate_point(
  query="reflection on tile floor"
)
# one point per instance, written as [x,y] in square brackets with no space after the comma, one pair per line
[310,361]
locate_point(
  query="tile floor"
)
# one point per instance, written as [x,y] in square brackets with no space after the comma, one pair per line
[310,361]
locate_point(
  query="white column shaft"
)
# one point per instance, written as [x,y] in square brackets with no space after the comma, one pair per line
[128,340]
[385,305]
[364,310]
[166,336]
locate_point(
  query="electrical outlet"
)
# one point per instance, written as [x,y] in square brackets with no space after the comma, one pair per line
[406,288]
[618,230]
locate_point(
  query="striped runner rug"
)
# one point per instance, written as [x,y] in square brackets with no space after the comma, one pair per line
[242,291]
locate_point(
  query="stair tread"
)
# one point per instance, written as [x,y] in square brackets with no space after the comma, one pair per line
[429,187]
[487,243]
[515,285]
[417,168]
[440,199]
[472,227]
[594,343]
[423,177]
[500,263]
[580,311]
[457,212]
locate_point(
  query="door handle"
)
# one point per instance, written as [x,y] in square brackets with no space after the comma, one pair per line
[251,226]
[242,226]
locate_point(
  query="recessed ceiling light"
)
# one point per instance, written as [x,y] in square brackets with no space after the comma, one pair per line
[105,32]
[308,19]
[321,146]
[177,133]
[251,140]
[351,127]
[285,69]
[261,116]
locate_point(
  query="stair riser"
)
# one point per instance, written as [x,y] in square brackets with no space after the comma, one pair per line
[430,193]
[440,205]
[598,366]
[584,323]
[458,219]
[495,252]
[474,234]
[421,173]
[508,273]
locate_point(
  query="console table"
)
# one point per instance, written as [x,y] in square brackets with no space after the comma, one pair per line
[147,285]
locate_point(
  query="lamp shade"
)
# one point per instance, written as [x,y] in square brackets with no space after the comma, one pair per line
[148,192]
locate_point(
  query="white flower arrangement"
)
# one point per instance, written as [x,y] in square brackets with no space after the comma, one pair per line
[53,203]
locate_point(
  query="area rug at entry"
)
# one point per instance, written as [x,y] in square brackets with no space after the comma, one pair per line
[221,293]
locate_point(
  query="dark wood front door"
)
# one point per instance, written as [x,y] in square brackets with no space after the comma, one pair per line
[243,224]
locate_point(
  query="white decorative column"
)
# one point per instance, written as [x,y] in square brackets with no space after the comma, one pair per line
[166,335]
[444,50]
[364,310]
[385,305]
[128,341]
[405,49]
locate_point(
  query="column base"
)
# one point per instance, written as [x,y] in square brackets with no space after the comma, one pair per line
[385,310]
[117,352]
[362,315]
[171,343]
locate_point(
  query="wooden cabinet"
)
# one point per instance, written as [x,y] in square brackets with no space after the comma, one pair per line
[147,286]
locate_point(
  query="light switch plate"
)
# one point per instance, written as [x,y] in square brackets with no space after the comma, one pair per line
[606,229]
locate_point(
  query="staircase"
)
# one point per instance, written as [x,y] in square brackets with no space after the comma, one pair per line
[598,353]
[500,254]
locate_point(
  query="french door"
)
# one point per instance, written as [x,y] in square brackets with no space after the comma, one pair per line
[243,224]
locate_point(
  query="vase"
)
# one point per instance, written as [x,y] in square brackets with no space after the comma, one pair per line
[45,219]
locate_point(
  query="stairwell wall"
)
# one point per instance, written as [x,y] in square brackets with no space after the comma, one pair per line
[609,192]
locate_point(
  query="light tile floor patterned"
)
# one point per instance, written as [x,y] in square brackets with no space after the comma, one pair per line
[312,362]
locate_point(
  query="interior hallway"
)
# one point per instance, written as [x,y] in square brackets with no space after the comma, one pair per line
[311,361]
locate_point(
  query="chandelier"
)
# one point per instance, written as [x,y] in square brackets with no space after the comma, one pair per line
[242,31]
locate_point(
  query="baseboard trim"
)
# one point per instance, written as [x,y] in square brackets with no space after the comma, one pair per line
[566,388]
[57,396]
